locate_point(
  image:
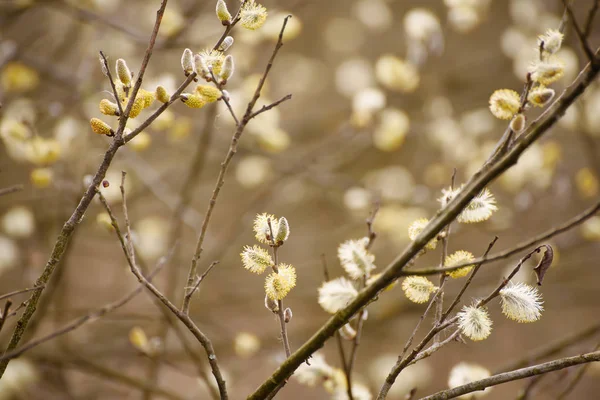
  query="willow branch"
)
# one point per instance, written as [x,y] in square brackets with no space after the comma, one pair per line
[477,183]
[226,162]
[570,224]
[522,373]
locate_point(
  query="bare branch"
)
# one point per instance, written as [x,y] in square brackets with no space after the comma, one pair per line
[551,349]
[93,316]
[7,295]
[11,189]
[576,379]
[580,35]
[4,315]
[590,19]
[269,106]
[183,317]
[515,375]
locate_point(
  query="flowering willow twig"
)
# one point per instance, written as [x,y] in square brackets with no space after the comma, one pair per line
[477,183]
[515,375]
[371,235]
[568,225]
[225,164]
[468,281]
[69,227]
[183,317]
[338,336]
[438,326]
[106,70]
[439,302]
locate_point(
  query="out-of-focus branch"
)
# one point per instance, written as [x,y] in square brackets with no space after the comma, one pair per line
[93,316]
[515,375]
[551,348]
[576,379]
[11,189]
[590,19]
[589,53]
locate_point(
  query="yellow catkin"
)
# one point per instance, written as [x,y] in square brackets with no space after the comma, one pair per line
[100,127]
[193,100]
[107,107]
[209,93]
[162,95]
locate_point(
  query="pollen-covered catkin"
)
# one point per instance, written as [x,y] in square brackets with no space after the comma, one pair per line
[100,127]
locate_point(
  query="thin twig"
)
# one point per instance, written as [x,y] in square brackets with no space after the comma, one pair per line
[371,235]
[11,189]
[528,389]
[280,309]
[86,366]
[421,319]
[199,281]
[184,318]
[338,336]
[589,53]
[515,375]
[93,316]
[551,349]
[7,295]
[428,352]
[468,282]
[542,237]
[590,19]
[224,96]
[69,227]
[112,82]
[4,315]
[272,105]
[226,162]
[576,379]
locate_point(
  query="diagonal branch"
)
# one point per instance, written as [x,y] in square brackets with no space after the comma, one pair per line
[477,183]
[522,373]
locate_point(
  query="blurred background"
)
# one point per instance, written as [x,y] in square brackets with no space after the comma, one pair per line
[389,97]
